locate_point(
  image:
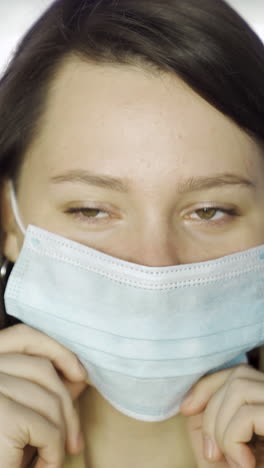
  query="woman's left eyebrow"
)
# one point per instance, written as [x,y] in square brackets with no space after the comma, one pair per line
[215,180]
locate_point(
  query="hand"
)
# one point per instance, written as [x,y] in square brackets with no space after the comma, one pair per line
[39,379]
[227,409]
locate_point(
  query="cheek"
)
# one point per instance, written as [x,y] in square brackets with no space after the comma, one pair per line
[197,246]
[254,233]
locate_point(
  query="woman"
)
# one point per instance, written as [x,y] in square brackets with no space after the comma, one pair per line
[132,140]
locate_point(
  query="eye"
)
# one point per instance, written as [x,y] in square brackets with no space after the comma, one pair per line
[212,213]
[92,213]
[208,213]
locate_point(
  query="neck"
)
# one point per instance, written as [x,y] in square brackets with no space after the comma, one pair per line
[114,440]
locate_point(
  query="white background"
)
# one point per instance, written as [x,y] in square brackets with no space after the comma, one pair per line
[17,15]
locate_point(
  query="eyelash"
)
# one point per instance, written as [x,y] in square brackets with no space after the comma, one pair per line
[81,214]
[232,212]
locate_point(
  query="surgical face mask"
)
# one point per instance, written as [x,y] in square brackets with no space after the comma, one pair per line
[145,335]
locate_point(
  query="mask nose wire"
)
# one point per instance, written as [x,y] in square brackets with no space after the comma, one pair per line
[15,208]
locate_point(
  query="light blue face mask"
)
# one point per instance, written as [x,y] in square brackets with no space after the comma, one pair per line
[145,335]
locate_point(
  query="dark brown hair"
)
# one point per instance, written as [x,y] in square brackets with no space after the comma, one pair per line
[205,42]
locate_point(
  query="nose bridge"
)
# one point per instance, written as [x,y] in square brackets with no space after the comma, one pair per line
[155,246]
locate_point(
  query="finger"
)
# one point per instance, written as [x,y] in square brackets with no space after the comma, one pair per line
[36,398]
[212,444]
[21,426]
[240,392]
[247,421]
[26,340]
[41,372]
[75,389]
[194,429]
[204,389]
[239,389]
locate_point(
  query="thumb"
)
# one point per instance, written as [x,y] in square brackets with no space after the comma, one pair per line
[194,430]
[75,388]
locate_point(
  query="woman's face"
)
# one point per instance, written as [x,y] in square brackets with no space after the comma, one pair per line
[137,165]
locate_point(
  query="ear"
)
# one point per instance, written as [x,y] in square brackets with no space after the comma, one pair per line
[11,237]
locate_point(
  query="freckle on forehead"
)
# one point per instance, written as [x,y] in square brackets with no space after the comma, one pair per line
[163,124]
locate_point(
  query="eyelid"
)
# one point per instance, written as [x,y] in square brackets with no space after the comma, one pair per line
[217,210]
[78,213]
[210,206]
[85,208]
[229,211]
[82,209]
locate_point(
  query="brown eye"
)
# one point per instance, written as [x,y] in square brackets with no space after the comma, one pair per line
[214,214]
[207,213]
[90,213]
[93,213]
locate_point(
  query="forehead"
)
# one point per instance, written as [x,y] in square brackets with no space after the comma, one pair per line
[115,116]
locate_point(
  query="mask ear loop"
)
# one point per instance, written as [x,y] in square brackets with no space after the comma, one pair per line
[15,207]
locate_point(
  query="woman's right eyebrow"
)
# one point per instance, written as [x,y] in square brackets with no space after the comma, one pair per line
[90,178]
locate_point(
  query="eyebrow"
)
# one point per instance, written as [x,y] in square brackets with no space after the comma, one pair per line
[87,177]
[218,180]
[122,185]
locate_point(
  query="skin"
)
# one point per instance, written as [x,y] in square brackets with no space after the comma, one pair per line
[163,165]
[226,409]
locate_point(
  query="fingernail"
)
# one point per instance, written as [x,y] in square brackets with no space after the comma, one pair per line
[209,447]
[231,463]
